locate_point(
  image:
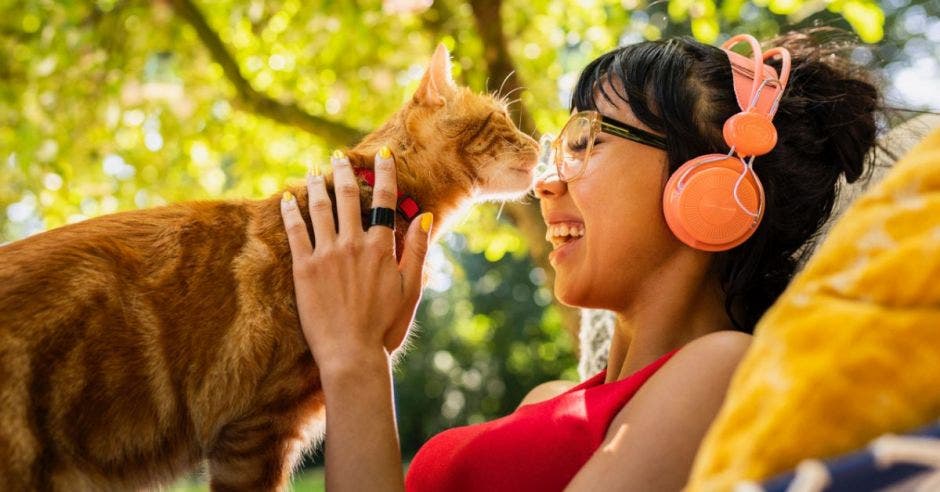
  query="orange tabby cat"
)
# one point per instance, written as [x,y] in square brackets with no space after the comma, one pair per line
[134,346]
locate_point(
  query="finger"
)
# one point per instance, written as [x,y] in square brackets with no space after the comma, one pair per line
[321,210]
[347,196]
[297,237]
[412,260]
[385,191]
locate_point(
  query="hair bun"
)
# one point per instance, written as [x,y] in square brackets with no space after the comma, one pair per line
[834,97]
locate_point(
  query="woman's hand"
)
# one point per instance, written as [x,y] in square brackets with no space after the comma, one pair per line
[355,301]
[353,297]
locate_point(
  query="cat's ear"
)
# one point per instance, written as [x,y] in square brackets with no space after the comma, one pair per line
[437,85]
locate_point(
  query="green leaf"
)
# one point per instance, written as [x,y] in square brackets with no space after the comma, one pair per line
[705,30]
[867,18]
[785,7]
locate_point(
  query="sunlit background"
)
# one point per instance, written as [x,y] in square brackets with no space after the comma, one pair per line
[114,105]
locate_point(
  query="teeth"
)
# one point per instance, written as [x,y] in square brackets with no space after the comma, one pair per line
[560,233]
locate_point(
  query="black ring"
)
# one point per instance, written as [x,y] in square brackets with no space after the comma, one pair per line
[382,216]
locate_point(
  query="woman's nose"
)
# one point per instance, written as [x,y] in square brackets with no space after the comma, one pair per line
[549,186]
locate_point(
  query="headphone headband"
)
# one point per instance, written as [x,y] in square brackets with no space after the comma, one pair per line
[766,85]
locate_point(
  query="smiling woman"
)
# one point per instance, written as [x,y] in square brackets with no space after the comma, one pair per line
[628,258]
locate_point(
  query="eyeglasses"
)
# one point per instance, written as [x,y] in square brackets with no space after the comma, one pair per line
[572,149]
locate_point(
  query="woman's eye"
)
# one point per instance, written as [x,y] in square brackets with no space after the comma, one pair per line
[577,145]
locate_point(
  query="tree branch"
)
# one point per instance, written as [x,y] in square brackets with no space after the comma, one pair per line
[334,132]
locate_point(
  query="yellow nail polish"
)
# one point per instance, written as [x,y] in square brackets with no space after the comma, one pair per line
[426,220]
[287,196]
[385,152]
[338,154]
[315,168]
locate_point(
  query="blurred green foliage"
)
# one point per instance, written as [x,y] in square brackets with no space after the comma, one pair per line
[110,105]
[487,334]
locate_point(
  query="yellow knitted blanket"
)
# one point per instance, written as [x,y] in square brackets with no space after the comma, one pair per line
[851,350]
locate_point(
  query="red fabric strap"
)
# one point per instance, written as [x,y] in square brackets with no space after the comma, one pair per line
[538,448]
[407,206]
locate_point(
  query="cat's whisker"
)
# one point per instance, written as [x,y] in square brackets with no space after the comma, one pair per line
[520,88]
[504,81]
[505,155]
[514,101]
[502,103]
[507,103]
[500,211]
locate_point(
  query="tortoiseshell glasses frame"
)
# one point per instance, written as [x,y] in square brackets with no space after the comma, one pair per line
[572,149]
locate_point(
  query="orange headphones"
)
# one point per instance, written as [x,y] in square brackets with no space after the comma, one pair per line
[715,202]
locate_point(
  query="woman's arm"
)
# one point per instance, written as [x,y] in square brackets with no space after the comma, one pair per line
[362,448]
[652,442]
[355,303]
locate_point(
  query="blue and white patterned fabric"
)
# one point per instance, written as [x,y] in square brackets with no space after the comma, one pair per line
[890,463]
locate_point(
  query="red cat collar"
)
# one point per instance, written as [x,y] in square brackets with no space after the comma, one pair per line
[407,206]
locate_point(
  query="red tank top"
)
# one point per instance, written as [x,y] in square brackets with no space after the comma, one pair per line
[538,447]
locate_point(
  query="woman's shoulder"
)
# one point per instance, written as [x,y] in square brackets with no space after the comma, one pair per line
[718,343]
[693,382]
[709,359]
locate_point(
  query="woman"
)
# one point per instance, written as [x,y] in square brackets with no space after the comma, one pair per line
[687,312]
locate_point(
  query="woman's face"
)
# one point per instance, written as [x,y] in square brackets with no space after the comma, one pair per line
[617,204]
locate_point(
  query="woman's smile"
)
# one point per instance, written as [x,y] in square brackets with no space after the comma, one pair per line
[565,232]
[561,233]
[565,237]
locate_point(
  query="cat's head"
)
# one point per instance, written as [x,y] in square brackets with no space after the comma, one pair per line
[456,141]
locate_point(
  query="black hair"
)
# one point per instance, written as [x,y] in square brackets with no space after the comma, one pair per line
[826,126]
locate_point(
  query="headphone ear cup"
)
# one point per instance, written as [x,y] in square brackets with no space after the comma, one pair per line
[750,133]
[704,214]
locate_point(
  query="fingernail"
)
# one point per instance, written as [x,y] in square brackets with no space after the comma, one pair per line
[313,174]
[337,157]
[426,220]
[288,200]
[385,152]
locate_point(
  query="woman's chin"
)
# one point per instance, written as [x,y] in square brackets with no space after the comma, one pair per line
[566,294]
[574,296]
